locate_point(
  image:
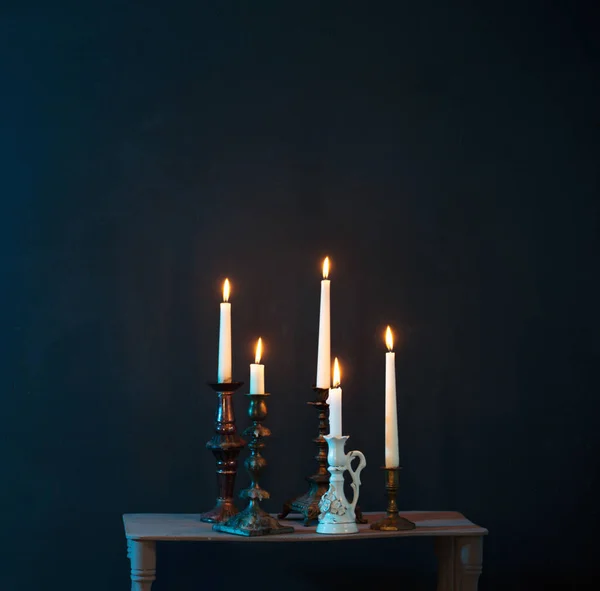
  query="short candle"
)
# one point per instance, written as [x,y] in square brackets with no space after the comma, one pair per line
[335,402]
[257,372]
[224,369]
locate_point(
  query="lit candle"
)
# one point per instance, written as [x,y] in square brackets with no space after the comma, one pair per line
[335,403]
[257,372]
[392,459]
[224,370]
[324,353]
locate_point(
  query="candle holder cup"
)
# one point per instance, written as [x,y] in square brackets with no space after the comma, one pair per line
[392,521]
[253,520]
[337,514]
[225,445]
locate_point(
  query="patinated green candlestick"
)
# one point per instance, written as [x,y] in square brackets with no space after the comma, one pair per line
[253,520]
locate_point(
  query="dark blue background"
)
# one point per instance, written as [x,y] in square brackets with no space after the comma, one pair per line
[444,155]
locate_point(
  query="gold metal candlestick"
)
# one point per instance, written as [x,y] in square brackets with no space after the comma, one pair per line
[392,521]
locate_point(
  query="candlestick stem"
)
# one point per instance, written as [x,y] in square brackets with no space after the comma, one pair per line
[225,446]
[392,521]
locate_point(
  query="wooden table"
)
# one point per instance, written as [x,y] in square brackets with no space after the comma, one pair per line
[458,542]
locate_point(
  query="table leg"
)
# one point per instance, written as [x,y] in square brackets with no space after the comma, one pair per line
[142,554]
[459,562]
[444,550]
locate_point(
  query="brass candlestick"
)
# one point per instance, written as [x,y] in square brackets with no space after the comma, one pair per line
[253,520]
[392,521]
[308,503]
[225,446]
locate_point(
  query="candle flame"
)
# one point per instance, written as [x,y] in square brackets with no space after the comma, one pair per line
[226,290]
[258,351]
[389,339]
[337,377]
[326,268]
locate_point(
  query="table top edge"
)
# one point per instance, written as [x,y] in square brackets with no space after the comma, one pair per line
[469,529]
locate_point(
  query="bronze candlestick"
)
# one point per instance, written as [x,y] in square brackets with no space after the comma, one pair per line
[308,503]
[253,520]
[392,521]
[225,446]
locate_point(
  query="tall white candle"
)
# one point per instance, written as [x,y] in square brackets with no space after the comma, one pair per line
[257,372]
[392,459]
[224,369]
[335,402]
[324,352]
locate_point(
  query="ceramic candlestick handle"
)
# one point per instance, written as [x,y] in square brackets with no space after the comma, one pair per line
[355,474]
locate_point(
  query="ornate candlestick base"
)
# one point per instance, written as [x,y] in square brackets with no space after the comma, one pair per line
[308,503]
[392,521]
[336,513]
[225,446]
[253,520]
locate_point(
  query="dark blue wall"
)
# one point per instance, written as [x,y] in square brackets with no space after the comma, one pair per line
[445,158]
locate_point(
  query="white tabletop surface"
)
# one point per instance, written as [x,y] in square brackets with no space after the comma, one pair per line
[188,527]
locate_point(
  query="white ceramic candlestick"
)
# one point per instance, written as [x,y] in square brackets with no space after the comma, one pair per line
[392,459]
[337,515]
[224,370]
[324,351]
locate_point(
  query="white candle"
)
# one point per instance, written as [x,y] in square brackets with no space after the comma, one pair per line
[257,372]
[335,403]
[324,352]
[224,369]
[392,459]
